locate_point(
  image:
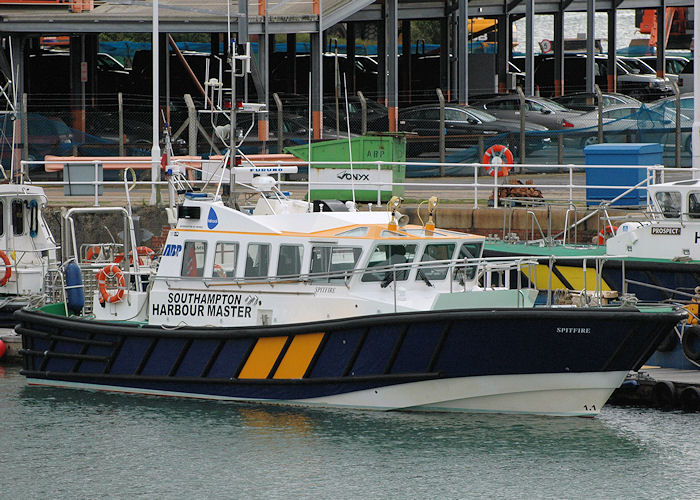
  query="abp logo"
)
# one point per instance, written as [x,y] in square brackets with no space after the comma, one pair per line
[212,219]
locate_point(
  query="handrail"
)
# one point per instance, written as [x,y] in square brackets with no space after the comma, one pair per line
[485,269]
[568,191]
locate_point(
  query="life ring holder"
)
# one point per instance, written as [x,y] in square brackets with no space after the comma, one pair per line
[105,272]
[606,231]
[499,155]
[8,268]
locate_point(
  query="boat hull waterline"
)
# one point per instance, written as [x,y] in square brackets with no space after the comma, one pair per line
[544,361]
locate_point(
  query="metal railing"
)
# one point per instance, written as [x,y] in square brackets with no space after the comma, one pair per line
[555,189]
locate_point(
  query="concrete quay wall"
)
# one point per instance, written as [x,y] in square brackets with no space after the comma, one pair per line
[516,220]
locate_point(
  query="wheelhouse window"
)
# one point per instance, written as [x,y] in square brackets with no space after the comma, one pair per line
[467,271]
[434,252]
[2,218]
[669,203]
[289,261]
[384,256]
[257,261]
[694,205]
[357,232]
[17,217]
[193,257]
[225,259]
[330,264]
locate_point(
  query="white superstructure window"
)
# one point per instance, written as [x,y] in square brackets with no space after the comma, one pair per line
[257,263]
[289,261]
[225,258]
[333,263]
[193,257]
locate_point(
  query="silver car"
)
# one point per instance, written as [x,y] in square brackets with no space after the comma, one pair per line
[626,123]
[537,110]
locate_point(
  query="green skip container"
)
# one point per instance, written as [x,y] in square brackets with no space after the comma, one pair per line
[334,181]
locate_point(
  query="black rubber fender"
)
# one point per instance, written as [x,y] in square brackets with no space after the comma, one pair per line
[669,342]
[664,394]
[691,336]
[690,399]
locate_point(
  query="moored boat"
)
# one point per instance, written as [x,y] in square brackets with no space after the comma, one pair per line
[653,255]
[337,308]
[27,249]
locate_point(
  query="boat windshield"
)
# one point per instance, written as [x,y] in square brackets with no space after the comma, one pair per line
[329,264]
[669,204]
[389,255]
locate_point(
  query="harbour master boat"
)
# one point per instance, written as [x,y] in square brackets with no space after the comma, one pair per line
[335,308]
[658,250]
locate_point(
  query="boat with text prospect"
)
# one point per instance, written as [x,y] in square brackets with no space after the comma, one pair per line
[27,249]
[654,255]
[339,307]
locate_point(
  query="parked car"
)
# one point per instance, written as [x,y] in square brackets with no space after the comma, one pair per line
[377,114]
[667,107]
[674,65]
[645,87]
[463,127]
[588,101]
[538,110]
[49,73]
[51,136]
[295,129]
[623,123]
[686,78]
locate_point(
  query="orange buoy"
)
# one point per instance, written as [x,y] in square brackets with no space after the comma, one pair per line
[607,231]
[111,270]
[3,348]
[8,268]
[498,155]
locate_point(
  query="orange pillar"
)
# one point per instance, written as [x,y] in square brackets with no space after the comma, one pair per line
[317,123]
[393,119]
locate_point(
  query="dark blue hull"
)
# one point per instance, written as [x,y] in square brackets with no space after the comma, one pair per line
[345,356]
[649,281]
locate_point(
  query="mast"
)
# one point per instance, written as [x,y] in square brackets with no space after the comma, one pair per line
[695,138]
[155,149]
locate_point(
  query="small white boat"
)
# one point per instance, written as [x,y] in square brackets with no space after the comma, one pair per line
[27,248]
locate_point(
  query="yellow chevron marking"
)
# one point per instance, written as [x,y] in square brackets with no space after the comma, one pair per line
[574,275]
[263,357]
[298,356]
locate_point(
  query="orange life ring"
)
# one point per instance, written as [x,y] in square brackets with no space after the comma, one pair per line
[607,230]
[499,155]
[93,253]
[218,271]
[141,252]
[111,270]
[8,268]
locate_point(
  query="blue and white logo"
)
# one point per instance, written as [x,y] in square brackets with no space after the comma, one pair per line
[212,219]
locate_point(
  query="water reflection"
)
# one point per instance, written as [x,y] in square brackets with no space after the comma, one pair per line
[79,444]
[448,432]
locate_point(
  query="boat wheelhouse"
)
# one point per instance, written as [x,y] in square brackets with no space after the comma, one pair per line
[27,248]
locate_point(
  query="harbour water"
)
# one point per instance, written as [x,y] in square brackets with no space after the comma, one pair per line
[59,443]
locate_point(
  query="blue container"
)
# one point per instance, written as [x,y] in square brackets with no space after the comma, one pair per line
[619,154]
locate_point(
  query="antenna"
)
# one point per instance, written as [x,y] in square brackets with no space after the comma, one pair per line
[308,168]
[347,120]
